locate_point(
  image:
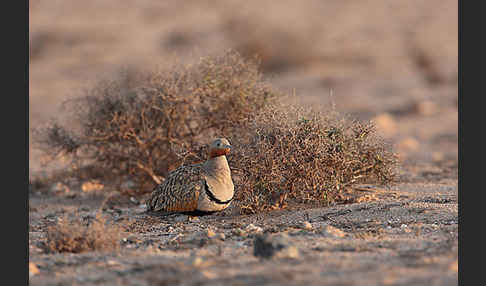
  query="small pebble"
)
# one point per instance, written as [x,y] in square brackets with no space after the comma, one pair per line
[331,231]
[112,263]
[214,235]
[197,261]
[252,228]
[181,218]
[238,232]
[33,270]
[92,186]
[454,266]
[288,252]
[305,225]
[267,246]
[210,233]
[59,188]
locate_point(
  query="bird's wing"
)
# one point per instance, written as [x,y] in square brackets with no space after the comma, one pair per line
[179,192]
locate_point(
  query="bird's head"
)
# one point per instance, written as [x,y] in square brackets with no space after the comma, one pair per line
[219,147]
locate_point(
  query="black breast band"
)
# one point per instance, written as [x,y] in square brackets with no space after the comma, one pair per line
[212,197]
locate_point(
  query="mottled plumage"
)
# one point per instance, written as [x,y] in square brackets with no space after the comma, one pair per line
[180,191]
[200,187]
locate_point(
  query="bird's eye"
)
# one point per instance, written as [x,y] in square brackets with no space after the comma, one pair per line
[219,144]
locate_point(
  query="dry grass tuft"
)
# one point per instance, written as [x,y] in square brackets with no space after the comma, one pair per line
[307,156]
[78,236]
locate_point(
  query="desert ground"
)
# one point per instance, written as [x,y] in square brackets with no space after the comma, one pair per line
[391,62]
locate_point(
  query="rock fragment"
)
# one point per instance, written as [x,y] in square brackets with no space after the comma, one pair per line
[33,270]
[181,218]
[92,186]
[59,188]
[305,225]
[267,246]
[251,228]
[331,231]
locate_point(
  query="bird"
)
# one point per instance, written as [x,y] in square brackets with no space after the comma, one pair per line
[199,189]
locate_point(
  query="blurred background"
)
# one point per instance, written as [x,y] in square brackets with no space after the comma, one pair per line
[394,62]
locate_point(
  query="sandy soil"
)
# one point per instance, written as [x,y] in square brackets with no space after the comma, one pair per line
[403,236]
[395,63]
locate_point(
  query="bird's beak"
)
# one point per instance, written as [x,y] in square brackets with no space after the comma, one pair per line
[227,147]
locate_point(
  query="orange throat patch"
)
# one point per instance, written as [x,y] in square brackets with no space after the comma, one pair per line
[219,152]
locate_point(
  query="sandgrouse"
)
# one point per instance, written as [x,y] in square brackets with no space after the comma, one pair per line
[203,187]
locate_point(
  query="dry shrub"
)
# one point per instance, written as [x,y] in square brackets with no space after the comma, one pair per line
[78,236]
[134,123]
[308,156]
[143,125]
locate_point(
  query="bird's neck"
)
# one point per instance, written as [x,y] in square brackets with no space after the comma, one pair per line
[217,167]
